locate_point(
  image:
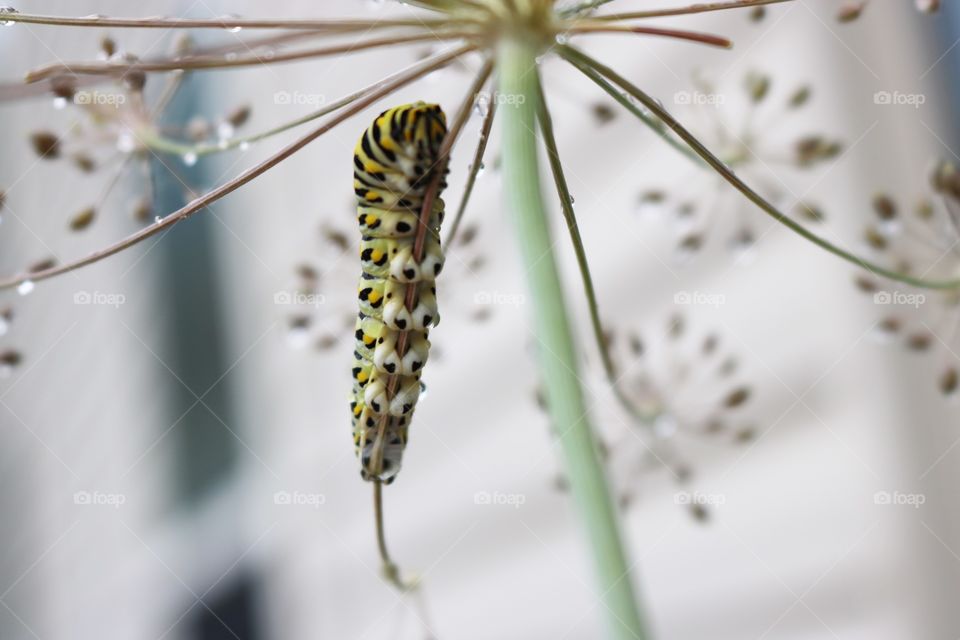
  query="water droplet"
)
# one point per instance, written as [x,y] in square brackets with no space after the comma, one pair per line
[891,227]
[562,38]
[243,146]
[25,287]
[4,326]
[572,199]
[223,144]
[189,158]
[232,17]
[423,391]
[225,130]
[59,102]
[8,10]
[126,142]
[231,56]
[157,219]
[298,335]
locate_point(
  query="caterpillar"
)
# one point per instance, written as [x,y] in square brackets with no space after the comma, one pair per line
[395,161]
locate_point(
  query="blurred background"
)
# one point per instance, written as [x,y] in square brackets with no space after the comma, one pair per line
[175,450]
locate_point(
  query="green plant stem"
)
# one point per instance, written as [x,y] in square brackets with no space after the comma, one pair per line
[518,78]
[585,63]
[566,205]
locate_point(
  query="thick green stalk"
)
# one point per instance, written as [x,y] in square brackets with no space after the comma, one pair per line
[518,81]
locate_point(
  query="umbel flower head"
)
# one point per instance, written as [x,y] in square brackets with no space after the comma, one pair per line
[679,392]
[920,236]
[743,125]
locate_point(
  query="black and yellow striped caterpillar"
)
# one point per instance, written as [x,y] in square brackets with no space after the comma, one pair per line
[394,163]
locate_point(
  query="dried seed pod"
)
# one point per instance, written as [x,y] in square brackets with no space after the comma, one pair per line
[800,97]
[758,86]
[108,46]
[737,398]
[884,207]
[239,116]
[42,265]
[851,11]
[84,162]
[919,342]
[336,238]
[142,210]
[810,212]
[10,358]
[83,219]
[949,382]
[603,113]
[63,87]
[468,235]
[45,144]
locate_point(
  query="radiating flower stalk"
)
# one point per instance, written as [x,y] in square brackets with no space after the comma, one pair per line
[920,236]
[685,389]
[736,125]
[512,37]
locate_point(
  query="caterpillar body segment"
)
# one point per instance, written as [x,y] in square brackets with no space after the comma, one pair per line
[395,161]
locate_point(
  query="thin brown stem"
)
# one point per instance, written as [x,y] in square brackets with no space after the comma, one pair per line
[211,62]
[418,71]
[566,206]
[475,169]
[433,188]
[390,569]
[227,22]
[691,9]
[692,36]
